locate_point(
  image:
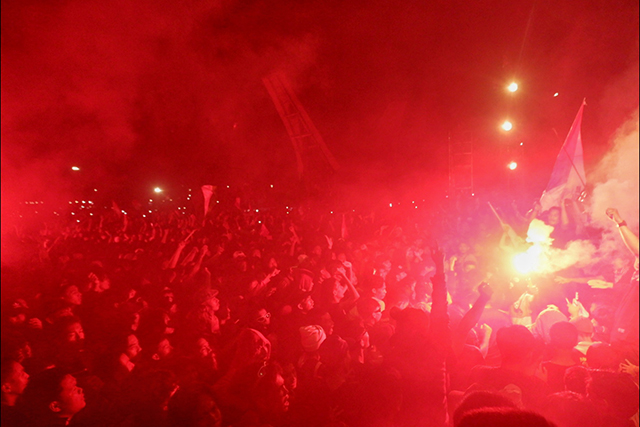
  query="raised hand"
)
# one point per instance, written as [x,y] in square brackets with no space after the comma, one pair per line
[485,290]
[614,215]
[438,259]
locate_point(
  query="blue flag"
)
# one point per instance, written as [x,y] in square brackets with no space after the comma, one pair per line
[568,178]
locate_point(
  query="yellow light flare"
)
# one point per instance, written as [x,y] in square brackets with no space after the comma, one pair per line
[513,87]
[506,126]
[537,255]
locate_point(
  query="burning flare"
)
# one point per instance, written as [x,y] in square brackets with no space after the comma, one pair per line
[542,258]
[535,258]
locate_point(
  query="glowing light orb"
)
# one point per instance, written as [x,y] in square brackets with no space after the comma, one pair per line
[507,126]
[555,94]
[157,190]
[512,166]
[512,87]
[527,262]
[537,256]
[75,168]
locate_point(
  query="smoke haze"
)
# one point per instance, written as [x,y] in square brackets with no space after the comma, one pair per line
[616,185]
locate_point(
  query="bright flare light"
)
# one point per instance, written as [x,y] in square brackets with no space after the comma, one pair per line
[158,190]
[535,258]
[507,126]
[512,87]
[529,261]
[75,168]
[513,166]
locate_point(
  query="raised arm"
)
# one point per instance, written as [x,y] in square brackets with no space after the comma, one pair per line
[439,315]
[353,296]
[173,261]
[471,317]
[629,238]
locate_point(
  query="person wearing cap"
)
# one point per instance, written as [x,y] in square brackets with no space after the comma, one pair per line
[203,320]
[585,335]
[311,338]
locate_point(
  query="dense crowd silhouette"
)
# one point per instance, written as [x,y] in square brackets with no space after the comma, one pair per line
[302,317]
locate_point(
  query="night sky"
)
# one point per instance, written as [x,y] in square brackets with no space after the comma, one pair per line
[143,93]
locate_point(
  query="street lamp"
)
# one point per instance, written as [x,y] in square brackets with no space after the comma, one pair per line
[507,126]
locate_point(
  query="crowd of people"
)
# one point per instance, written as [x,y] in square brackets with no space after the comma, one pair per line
[297,317]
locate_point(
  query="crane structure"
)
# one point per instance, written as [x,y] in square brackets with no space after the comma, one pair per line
[313,158]
[461,164]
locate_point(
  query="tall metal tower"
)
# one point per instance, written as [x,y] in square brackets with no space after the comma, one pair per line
[461,163]
[313,158]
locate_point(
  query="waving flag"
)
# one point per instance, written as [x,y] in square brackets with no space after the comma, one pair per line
[567,177]
[207,192]
[344,231]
